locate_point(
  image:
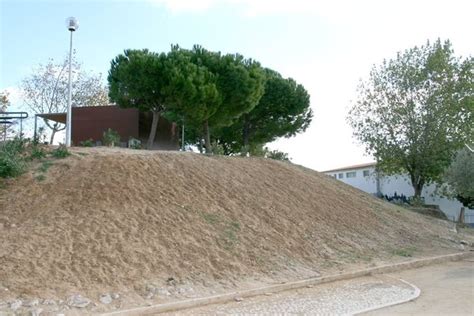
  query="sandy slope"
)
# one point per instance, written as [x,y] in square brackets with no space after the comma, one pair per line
[116,220]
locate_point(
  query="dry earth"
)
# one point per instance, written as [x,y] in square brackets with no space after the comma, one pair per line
[159,226]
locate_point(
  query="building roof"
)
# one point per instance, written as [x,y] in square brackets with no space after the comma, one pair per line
[57,117]
[359,166]
[61,117]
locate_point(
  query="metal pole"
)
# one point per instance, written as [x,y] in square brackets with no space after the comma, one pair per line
[36,124]
[69,109]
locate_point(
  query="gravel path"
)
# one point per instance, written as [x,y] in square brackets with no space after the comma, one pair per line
[339,298]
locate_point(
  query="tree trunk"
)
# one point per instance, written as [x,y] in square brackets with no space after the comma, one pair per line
[53,133]
[461,216]
[207,137]
[417,182]
[246,133]
[418,188]
[200,145]
[154,126]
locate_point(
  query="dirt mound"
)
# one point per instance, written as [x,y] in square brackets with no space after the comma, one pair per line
[111,220]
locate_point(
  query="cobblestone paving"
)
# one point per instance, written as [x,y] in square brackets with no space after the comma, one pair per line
[339,298]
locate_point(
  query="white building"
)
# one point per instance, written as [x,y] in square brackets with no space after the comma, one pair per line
[365,178]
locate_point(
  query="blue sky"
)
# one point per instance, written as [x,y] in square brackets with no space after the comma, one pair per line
[325,45]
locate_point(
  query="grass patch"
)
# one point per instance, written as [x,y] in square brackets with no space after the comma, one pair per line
[37,152]
[229,235]
[45,166]
[60,152]
[40,177]
[212,219]
[228,230]
[404,252]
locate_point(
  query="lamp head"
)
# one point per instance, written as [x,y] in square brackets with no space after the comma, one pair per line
[72,24]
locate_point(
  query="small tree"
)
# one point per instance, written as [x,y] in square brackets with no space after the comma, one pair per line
[111,137]
[459,178]
[415,111]
[46,90]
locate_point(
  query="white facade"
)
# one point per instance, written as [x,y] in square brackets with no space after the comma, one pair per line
[365,178]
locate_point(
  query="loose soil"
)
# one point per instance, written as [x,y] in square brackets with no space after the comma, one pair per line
[159,226]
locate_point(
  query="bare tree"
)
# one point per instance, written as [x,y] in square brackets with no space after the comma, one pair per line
[45,90]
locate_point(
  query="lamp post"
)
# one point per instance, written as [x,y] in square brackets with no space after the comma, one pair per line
[72,25]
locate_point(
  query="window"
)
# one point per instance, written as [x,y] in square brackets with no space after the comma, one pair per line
[351,174]
[341,175]
[366,173]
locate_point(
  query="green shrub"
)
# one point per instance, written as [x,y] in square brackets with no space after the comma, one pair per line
[278,155]
[12,162]
[37,152]
[14,146]
[217,149]
[40,136]
[60,152]
[134,143]
[87,143]
[11,165]
[111,137]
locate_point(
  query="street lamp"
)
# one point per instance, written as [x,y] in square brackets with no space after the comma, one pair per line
[72,25]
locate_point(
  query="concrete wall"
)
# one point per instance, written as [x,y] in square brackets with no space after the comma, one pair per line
[364,183]
[400,184]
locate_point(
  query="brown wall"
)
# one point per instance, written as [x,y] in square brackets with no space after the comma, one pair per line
[91,122]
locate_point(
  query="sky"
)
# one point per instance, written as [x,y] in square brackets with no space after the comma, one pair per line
[327,46]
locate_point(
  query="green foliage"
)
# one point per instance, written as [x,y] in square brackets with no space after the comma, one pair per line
[283,111]
[15,146]
[256,150]
[217,149]
[211,218]
[134,143]
[278,155]
[404,252]
[87,143]
[37,152]
[415,111]
[459,178]
[12,163]
[204,89]
[40,177]
[60,152]
[111,137]
[40,136]
[139,79]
